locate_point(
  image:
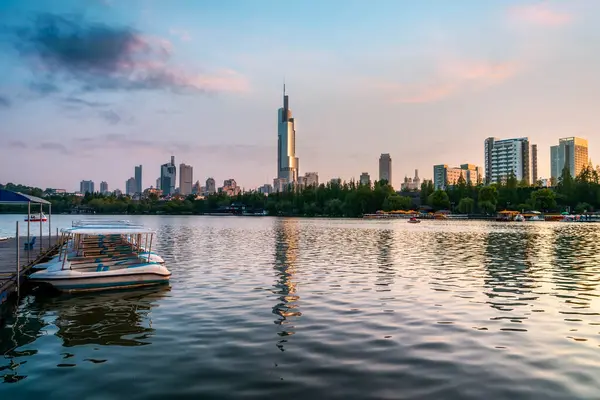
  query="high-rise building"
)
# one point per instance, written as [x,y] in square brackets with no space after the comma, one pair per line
[571,153]
[86,187]
[311,179]
[365,179]
[411,183]
[230,187]
[103,187]
[506,157]
[534,164]
[443,176]
[385,168]
[186,173]
[197,188]
[168,173]
[158,183]
[287,162]
[130,186]
[211,187]
[265,189]
[138,179]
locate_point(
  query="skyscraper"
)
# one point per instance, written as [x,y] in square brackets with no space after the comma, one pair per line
[571,153]
[211,187]
[365,179]
[130,186]
[443,176]
[287,162]
[103,187]
[385,168]
[534,164]
[86,187]
[506,157]
[138,179]
[168,173]
[186,173]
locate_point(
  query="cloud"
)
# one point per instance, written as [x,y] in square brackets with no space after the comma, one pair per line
[97,57]
[539,14]
[59,147]
[43,88]
[17,144]
[114,118]
[453,78]
[76,101]
[5,102]
[183,35]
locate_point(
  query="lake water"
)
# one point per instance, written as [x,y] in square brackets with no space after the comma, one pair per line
[336,309]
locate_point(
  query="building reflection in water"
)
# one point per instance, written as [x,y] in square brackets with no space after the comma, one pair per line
[286,253]
[385,263]
[511,276]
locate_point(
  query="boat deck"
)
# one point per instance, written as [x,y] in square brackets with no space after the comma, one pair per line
[28,258]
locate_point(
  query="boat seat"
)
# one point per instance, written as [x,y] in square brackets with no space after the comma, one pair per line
[101,268]
[29,245]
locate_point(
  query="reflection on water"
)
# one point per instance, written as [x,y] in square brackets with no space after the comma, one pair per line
[357,309]
[286,249]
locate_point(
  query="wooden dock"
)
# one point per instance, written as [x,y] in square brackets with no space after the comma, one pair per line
[28,258]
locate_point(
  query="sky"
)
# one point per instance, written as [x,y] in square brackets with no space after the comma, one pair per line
[91,88]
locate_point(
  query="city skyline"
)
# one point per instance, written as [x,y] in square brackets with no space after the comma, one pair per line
[448,87]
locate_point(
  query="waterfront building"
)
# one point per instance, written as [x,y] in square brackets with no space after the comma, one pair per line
[411,184]
[186,173]
[385,168]
[505,157]
[104,187]
[168,173]
[86,187]
[311,179]
[444,176]
[230,187]
[211,187]
[197,188]
[287,162]
[365,179]
[138,179]
[534,164]
[280,184]
[265,189]
[130,186]
[570,153]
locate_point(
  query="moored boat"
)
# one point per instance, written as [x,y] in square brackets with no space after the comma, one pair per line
[99,257]
[36,218]
[413,220]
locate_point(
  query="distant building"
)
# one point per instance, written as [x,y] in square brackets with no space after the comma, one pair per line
[385,168]
[103,187]
[506,157]
[130,186]
[280,184]
[443,176]
[86,187]
[265,189]
[336,181]
[117,193]
[138,179]
[534,164]
[197,188]
[365,179]
[411,183]
[186,173]
[311,179]
[152,190]
[571,153]
[168,173]
[56,191]
[158,183]
[287,162]
[230,187]
[211,187]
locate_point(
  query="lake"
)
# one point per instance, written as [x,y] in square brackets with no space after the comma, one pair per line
[316,308]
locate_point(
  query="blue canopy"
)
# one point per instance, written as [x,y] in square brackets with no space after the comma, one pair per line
[10,197]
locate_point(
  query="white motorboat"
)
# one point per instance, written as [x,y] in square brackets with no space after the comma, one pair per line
[36,218]
[99,257]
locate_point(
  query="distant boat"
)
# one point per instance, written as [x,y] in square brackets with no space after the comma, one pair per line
[413,220]
[37,218]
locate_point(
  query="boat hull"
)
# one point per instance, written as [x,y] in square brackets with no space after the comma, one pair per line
[75,281]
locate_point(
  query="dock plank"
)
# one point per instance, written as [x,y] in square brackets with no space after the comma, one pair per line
[8,260]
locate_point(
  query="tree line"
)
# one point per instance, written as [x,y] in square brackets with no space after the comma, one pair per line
[350,199]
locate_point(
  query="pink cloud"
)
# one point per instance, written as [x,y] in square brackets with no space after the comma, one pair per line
[540,14]
[183,35]
[453,78]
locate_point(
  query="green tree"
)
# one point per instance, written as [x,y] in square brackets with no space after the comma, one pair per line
[466,205]
[487,207]
[544,200]
[439,200]
[396,202]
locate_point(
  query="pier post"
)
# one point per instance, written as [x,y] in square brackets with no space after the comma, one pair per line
[18,260]
[50,226]
[41,222]
[28,225]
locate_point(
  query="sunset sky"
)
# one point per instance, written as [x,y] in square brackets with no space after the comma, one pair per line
[91,88]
